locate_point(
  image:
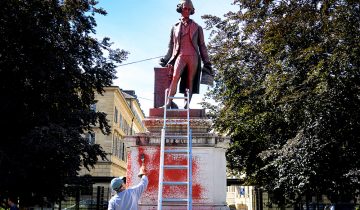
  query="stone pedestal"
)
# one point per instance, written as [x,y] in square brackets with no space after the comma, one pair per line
[208,162]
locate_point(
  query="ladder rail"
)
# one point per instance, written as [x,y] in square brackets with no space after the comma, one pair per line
[189,149]
[161,173]
[165,106]
[162,154]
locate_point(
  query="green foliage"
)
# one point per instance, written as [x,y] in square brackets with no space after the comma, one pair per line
[288,88]
[50,66]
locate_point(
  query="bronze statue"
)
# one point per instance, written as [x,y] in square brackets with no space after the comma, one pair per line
[186,48]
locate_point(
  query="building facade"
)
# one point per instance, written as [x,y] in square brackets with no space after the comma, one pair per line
[124,116]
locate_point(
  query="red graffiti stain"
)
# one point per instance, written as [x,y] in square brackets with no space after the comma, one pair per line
[153,172]
[152,163]
[196,191]
[129,171]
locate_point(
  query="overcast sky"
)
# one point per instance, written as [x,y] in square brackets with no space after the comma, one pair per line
[142,27]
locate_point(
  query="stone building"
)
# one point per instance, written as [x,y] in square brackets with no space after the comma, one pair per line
[125,118]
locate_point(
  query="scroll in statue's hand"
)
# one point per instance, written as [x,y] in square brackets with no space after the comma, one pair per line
[207,76]
[208,66]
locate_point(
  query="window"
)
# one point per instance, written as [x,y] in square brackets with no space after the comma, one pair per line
[126,128]
[241,191]
[90,136]
[116,115]
[121,120]
[115,145]
[119,149]
[93,107]
[122,151]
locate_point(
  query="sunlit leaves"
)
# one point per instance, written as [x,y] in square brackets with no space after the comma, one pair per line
[288,83]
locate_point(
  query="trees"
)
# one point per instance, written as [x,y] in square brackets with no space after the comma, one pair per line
[50,66]
[288,88]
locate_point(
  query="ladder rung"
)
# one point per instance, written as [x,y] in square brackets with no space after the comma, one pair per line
[175,137]
[177,97]
[175,166]
[176,123]
[174,200]
[175,183]
[175,151]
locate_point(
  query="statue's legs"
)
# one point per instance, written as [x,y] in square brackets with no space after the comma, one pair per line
[189,61]
[192,68]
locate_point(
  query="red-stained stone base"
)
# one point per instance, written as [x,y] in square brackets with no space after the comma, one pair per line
[204,177]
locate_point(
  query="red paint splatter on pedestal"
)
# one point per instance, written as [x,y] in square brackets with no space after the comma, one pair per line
[152,163]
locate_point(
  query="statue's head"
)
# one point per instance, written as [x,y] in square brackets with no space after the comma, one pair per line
[188,3]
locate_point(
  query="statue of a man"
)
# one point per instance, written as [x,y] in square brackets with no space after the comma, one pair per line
[186,50]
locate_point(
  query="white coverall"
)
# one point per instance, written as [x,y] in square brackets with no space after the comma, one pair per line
[128,199]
